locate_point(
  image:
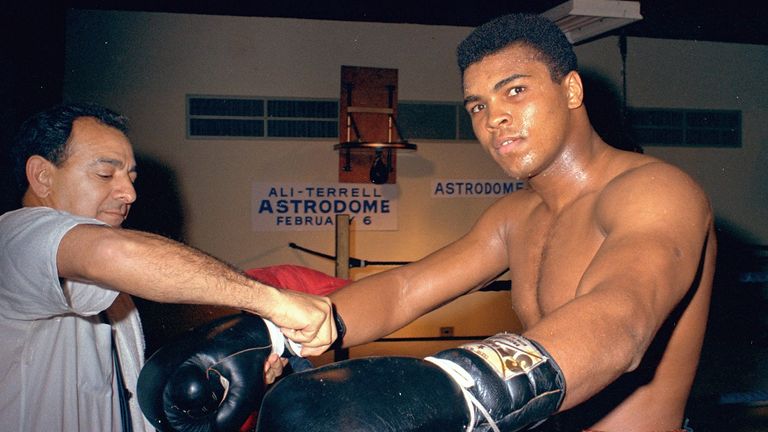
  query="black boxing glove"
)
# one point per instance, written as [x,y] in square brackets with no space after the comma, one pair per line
[376,394]
[212,378]
[510,381]
[455,390]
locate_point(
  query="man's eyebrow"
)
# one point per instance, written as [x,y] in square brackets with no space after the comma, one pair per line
[114,162]
[109,161]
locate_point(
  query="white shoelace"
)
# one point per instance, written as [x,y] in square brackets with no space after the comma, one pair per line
[465,381]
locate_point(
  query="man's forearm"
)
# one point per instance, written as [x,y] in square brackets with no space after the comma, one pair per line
[159,269]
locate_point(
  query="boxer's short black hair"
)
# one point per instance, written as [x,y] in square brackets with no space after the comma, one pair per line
[534,31]
[47,134]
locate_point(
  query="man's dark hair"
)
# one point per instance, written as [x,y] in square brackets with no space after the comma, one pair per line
[47,134]
[530,30]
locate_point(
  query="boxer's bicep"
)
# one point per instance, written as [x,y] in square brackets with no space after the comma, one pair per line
[655,233]
[655,238]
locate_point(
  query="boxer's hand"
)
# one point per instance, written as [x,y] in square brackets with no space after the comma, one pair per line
[504,383]
[373,394]
[305,319]
[513,380]
[212,378]
[273,368]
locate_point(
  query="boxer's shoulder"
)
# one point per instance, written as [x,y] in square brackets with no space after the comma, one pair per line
[651,183]
[639,170]
[623,186]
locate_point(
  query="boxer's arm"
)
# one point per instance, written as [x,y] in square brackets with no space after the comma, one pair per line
[159,269]
[377,305]
[656,223]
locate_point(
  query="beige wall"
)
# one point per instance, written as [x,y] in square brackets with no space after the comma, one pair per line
[709,75]
[144,64]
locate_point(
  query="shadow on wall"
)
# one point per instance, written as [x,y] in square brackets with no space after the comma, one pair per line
[732,380]
[10,198]
[605,106]
[159,209]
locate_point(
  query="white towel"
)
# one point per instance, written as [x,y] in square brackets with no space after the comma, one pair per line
[129,339]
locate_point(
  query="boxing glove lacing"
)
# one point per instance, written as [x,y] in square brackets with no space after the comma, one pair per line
[224,381]
[461,377]
[224,384]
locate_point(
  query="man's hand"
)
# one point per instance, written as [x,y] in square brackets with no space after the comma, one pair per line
[305,319]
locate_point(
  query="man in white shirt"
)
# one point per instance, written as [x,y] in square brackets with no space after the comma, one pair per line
[65,260]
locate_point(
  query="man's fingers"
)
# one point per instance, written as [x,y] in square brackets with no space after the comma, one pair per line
[313,343]
[311,352]
[312,327]
[298,335]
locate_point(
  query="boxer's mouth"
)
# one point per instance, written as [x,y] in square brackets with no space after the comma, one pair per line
[507,144]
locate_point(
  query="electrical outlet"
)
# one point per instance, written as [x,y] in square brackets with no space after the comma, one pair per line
[446,331]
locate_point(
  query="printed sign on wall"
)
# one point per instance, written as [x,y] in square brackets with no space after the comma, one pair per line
[474,188]
[313,207]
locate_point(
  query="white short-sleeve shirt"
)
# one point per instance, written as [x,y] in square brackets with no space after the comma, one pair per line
[56,370]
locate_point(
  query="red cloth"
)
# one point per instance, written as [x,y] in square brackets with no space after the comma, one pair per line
[250,424]
[297,278]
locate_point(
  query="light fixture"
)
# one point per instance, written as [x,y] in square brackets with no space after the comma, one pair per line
[584,19]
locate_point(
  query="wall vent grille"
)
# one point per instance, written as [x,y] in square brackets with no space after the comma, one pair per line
[262,117]
[685,128]
[242,117]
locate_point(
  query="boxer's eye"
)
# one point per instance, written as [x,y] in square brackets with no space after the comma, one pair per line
[476,108]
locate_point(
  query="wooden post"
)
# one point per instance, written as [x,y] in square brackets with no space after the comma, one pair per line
[342,246]
[342,265]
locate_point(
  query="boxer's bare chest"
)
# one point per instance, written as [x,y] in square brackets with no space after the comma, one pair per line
[549,254]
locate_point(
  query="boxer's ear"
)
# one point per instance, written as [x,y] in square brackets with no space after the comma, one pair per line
[40,175]
[574,89]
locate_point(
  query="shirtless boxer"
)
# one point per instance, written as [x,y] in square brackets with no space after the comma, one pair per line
[610,253]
